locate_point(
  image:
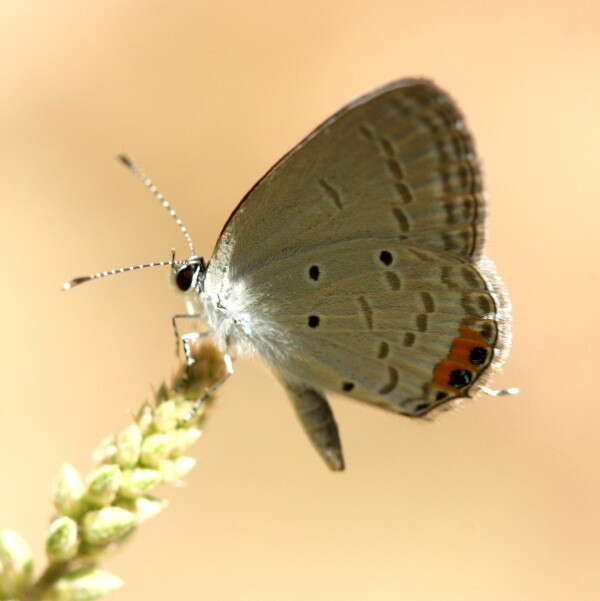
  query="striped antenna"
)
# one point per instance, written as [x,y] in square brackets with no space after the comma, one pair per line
[157,194]
[86,278]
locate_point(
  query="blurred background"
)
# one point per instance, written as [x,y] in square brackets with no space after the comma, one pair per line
[497,501]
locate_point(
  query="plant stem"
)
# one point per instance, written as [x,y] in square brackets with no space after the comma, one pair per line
[187,384]
[50,575]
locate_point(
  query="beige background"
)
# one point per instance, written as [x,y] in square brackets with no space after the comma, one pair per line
[499,501]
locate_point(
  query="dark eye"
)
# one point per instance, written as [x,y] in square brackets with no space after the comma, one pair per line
[184,277]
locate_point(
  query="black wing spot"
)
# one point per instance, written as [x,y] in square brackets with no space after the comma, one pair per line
[314,272]
[478,355]
[386,257]
[347,386]
[313,321]
[460,378]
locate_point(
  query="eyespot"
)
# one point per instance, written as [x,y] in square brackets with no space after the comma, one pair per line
[313,321]
[478,355]
[460,378]
[385,256]
[185,276]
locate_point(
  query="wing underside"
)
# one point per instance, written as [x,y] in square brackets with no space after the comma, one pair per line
[353,264]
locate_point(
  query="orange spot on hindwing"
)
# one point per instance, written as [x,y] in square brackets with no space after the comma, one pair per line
[469,355]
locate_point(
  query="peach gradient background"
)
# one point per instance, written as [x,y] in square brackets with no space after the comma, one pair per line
[499,501]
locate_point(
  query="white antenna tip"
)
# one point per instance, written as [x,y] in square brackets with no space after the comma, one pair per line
[502,392]
[76,281]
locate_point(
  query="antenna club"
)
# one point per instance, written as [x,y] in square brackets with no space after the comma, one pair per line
[76,281]
[125,160]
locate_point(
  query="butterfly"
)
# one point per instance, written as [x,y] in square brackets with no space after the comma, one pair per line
[354,265]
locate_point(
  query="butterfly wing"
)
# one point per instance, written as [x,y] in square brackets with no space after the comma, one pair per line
[377,319]
[351,264]
[398,162]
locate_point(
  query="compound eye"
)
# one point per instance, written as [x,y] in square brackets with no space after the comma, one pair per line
[185,276]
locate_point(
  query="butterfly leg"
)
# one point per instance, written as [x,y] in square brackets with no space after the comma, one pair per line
[318,422]
[186,339]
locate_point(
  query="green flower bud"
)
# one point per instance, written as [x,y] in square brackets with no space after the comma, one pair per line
[105,451]
[144,508]
[103,484]
[129,446]
[176,469]
[165,417]
[16,563]
[156,448]
[184,438]
[62,542]
[106,525]
[69,491]
[138,482]
[184,409]
[145,419]
[85,584]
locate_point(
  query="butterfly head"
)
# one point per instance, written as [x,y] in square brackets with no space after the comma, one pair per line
[189,275]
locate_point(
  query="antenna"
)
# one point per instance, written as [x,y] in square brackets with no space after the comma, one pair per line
[102,274]
[160,197]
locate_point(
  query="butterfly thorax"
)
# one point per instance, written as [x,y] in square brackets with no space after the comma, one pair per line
[225,309]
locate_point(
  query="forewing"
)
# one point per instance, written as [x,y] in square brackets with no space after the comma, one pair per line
[398,162]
